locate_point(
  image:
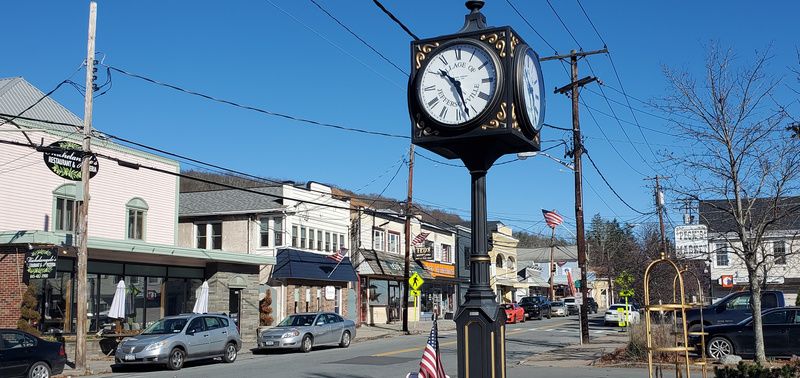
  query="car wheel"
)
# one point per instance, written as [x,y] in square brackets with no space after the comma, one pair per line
[523,318]
[176,359]
[549,315]
[345,340]
[306,344]
[39,370]
[230,353]
[719,347]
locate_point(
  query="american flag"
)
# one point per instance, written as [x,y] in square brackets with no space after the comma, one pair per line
[338,256]
[552,218]
[420,238]
[431,364]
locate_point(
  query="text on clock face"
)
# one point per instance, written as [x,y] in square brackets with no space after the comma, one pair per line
[458,83]
[531,77]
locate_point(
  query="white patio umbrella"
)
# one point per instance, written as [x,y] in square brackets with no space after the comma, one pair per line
[117,310]
[201,303]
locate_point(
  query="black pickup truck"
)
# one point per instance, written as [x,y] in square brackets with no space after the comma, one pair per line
[535,307]
[731,309]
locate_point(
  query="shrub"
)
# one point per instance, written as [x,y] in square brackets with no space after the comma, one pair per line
[748,370]
[265,309]
[29,316]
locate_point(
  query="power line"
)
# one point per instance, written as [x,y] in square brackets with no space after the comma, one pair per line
[358,37]
[255,109]
[613,147]
[396,20]
[609,185]
[564,24]
[555,52]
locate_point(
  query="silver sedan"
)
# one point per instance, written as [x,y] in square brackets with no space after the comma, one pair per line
[306,330]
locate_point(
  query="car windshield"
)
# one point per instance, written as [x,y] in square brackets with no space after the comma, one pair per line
[298,321]
[507,306]
[165,326]
[615,307]
[569,300]
[556,304]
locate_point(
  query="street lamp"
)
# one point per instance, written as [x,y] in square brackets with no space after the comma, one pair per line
[525,155]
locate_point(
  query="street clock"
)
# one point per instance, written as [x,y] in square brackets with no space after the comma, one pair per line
[481,88]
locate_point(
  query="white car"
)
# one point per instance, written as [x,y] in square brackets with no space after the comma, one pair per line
[613,315]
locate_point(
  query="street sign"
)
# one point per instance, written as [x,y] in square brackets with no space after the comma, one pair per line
[579,300]
[415,281]
[626,293]
[621,316]
[726,281]
[415,293]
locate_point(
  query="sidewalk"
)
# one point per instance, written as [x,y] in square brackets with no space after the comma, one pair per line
[380,331]
[578,355]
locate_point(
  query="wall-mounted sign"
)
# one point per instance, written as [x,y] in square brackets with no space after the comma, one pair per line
[691,241]
[440,270]
[66,163]
[41,263]
[330,293]
[423,253]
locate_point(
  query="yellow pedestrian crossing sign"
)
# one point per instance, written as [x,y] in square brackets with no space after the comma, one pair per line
[415,293]
[415,281]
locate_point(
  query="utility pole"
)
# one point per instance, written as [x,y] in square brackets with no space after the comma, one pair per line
[659,198]
[81,315]
[573,89]
[408,236]
[552,265]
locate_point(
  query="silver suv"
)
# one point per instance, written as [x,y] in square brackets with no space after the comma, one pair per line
[174,340]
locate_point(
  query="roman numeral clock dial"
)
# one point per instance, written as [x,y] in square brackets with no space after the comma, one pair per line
[458,84]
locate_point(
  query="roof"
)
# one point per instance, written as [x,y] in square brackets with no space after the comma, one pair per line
[387,264]
[229,201]
[715,214]
[297,264]
[560,253]
[16,94]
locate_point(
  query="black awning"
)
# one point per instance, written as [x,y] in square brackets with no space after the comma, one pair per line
[292,263]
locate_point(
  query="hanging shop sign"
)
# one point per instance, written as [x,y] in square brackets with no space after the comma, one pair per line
[440,270]
[423,253]
[41,263]
[64,159]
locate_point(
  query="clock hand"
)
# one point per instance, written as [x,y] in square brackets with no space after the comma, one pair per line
[457,85]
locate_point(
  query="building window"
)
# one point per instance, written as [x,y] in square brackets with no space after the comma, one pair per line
[209,235]
[294,237]
[310,238]
[722,255]
[65,213]
[511,263]
[277,230]
[335,244]
[303,243]
[319,240]
[264,231]
[328,241]
[341,241]
[137,218]
[377,239]
[467,253]
[779,252]
[447,253]
[394,242]
[498,261]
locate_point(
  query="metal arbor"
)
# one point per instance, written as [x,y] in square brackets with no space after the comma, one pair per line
[673,307]
[698,305]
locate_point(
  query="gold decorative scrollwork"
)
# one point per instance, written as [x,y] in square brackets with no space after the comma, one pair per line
[500,118]
[514,123]
[423,50]
[514,43]
[422,130]
[498,41]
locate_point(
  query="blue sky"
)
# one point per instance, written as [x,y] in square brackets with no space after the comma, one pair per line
[289,57]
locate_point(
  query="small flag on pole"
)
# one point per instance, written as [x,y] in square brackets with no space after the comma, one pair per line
[431,364]
[420,238]
[552,218]
[338,256]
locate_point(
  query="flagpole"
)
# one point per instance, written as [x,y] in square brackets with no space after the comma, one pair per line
[337,265]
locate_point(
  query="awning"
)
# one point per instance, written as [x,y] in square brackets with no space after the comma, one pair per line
[388,264]
[296,264]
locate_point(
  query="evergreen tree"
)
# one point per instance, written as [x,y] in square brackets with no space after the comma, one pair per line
[29,316]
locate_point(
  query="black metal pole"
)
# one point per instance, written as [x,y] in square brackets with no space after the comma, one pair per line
[480,328]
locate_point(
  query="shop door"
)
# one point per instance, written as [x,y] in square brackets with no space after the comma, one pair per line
[395,302]
[235,306]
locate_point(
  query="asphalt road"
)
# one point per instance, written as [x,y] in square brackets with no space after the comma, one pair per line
[391,357]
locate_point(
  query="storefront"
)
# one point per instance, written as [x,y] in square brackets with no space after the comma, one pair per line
[439,293]
[311,282]
[382,283]
[160,281]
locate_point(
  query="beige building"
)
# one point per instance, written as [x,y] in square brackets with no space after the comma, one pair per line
[503,270]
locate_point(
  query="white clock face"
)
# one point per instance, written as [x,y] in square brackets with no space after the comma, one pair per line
[458,83]
[532,90]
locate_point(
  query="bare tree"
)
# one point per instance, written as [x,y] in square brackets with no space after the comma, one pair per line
[739,152]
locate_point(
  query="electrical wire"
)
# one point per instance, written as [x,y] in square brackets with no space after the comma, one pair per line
[255,109]
[609,185]
[358,37]
[396,20]
[555,51]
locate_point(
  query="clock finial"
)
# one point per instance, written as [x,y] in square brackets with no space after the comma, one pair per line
[474,5]
[475,20]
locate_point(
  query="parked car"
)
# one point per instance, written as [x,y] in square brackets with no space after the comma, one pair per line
[781,328]
[536,306]
[613,315]
[558,308]
[731,309]
[306,330]
[174,340]
[572,306]
[591,305]
[25,355]
[514,313]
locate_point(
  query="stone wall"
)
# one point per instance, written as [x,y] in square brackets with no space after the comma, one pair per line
[221,278]
[314,304]
[12,261]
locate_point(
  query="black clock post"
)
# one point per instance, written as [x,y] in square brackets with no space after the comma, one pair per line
[497,124]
